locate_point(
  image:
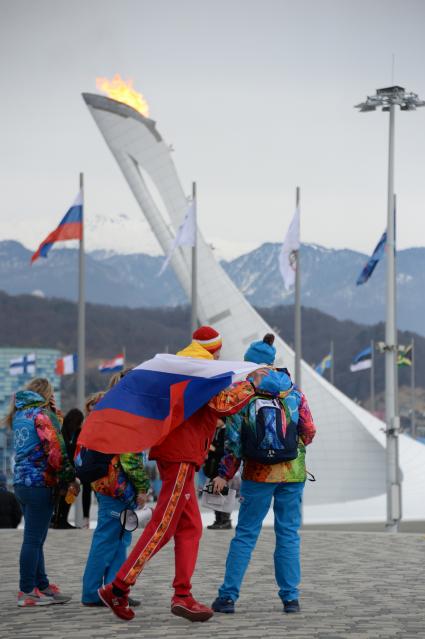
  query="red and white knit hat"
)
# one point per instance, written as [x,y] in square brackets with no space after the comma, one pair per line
[208,337]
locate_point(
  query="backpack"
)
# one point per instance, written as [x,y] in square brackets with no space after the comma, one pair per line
[91,465]
[269,435]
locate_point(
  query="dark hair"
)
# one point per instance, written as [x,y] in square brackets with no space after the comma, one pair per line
[268,339]
[72,424]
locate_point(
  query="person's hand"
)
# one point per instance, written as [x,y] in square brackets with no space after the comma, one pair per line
[219,483]
[142,499]
[74,486]
[257,375]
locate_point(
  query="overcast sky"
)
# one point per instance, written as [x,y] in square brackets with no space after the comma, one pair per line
[256,97]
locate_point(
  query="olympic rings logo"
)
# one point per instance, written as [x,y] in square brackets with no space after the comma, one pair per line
[21,437]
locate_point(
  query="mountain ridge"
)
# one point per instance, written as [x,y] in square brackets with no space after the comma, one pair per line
[328,280]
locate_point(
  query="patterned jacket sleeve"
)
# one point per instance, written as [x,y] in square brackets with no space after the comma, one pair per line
[58,463]
[231,459]
[132,464]
[305,422]
[232,399]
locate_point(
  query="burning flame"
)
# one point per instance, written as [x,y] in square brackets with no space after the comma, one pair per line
[122,91]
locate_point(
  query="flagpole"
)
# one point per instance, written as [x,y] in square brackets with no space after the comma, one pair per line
[413,398]
[332,363]
[81,313]
[194,305]
[298,305]
[123,357]
[391,386]
[372,378]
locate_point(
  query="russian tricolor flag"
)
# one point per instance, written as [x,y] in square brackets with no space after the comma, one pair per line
[113,365]
[70,228]
[66,365]
[154,398]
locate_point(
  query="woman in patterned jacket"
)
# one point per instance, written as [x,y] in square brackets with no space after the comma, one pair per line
[125,485]
[41,468]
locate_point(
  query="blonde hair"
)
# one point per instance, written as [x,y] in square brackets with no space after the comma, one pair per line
[92,400]
[117,377]
[39,385]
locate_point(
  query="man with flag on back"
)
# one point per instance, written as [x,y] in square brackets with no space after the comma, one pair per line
[174,402]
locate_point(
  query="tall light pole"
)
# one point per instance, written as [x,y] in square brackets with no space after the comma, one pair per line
[387,99]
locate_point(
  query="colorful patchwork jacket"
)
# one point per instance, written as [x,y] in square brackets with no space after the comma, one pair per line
[290,471]
[125,479]
[40,452]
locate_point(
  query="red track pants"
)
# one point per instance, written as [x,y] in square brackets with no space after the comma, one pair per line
[176,515]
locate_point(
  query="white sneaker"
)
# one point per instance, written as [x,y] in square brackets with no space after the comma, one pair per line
[86,523]
[34,598]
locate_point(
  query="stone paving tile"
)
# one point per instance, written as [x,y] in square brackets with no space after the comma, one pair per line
[356,585]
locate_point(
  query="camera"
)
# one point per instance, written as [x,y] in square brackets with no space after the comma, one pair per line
[209,488]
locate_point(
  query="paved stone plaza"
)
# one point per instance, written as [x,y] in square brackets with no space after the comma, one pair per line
[357,585]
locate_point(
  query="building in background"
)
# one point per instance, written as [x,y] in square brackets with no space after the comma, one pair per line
[45,361]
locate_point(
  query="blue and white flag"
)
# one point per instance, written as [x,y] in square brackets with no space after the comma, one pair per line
[24,365]
[362,360]
[324,364]
[373,260]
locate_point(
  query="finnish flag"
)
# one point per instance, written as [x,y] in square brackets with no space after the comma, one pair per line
[24,365]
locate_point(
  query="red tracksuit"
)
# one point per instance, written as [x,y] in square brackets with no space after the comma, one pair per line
[177,512]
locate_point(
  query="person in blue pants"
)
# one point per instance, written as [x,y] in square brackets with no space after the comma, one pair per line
[276,419]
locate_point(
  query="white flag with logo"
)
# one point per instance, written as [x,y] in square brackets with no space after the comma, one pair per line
[186,235]
[288,254]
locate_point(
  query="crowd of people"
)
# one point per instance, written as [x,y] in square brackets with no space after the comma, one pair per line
[256,429]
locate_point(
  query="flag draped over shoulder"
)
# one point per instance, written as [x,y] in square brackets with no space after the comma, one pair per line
[288,254]
[186,234]
[373,260]
[153,399]
[70,228]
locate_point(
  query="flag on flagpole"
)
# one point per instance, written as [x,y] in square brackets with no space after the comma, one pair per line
[70,228]
[154,398]
[362,360]
[404,356]
[186,234]
[324,364]
[24,365]
[113,365]
[373,260]
[67,365]
[288,254]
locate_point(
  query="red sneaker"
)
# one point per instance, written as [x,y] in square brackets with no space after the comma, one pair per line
[118,605]
[189,608]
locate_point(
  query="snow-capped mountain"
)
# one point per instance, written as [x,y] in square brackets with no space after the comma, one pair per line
[328,280]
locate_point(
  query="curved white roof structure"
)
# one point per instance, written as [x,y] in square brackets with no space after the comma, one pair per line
[348,455]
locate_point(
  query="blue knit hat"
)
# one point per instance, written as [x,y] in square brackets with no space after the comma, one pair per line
[262,352]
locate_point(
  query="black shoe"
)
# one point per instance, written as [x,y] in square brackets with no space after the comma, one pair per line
[64,525]
[291,606]
[225,525]
[133,603]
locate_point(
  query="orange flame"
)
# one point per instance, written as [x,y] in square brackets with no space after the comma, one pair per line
[122,91]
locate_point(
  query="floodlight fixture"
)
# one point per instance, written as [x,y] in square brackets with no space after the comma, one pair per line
[389,96]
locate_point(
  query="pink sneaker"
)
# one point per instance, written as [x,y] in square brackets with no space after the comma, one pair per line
[33,598]
[54,593]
